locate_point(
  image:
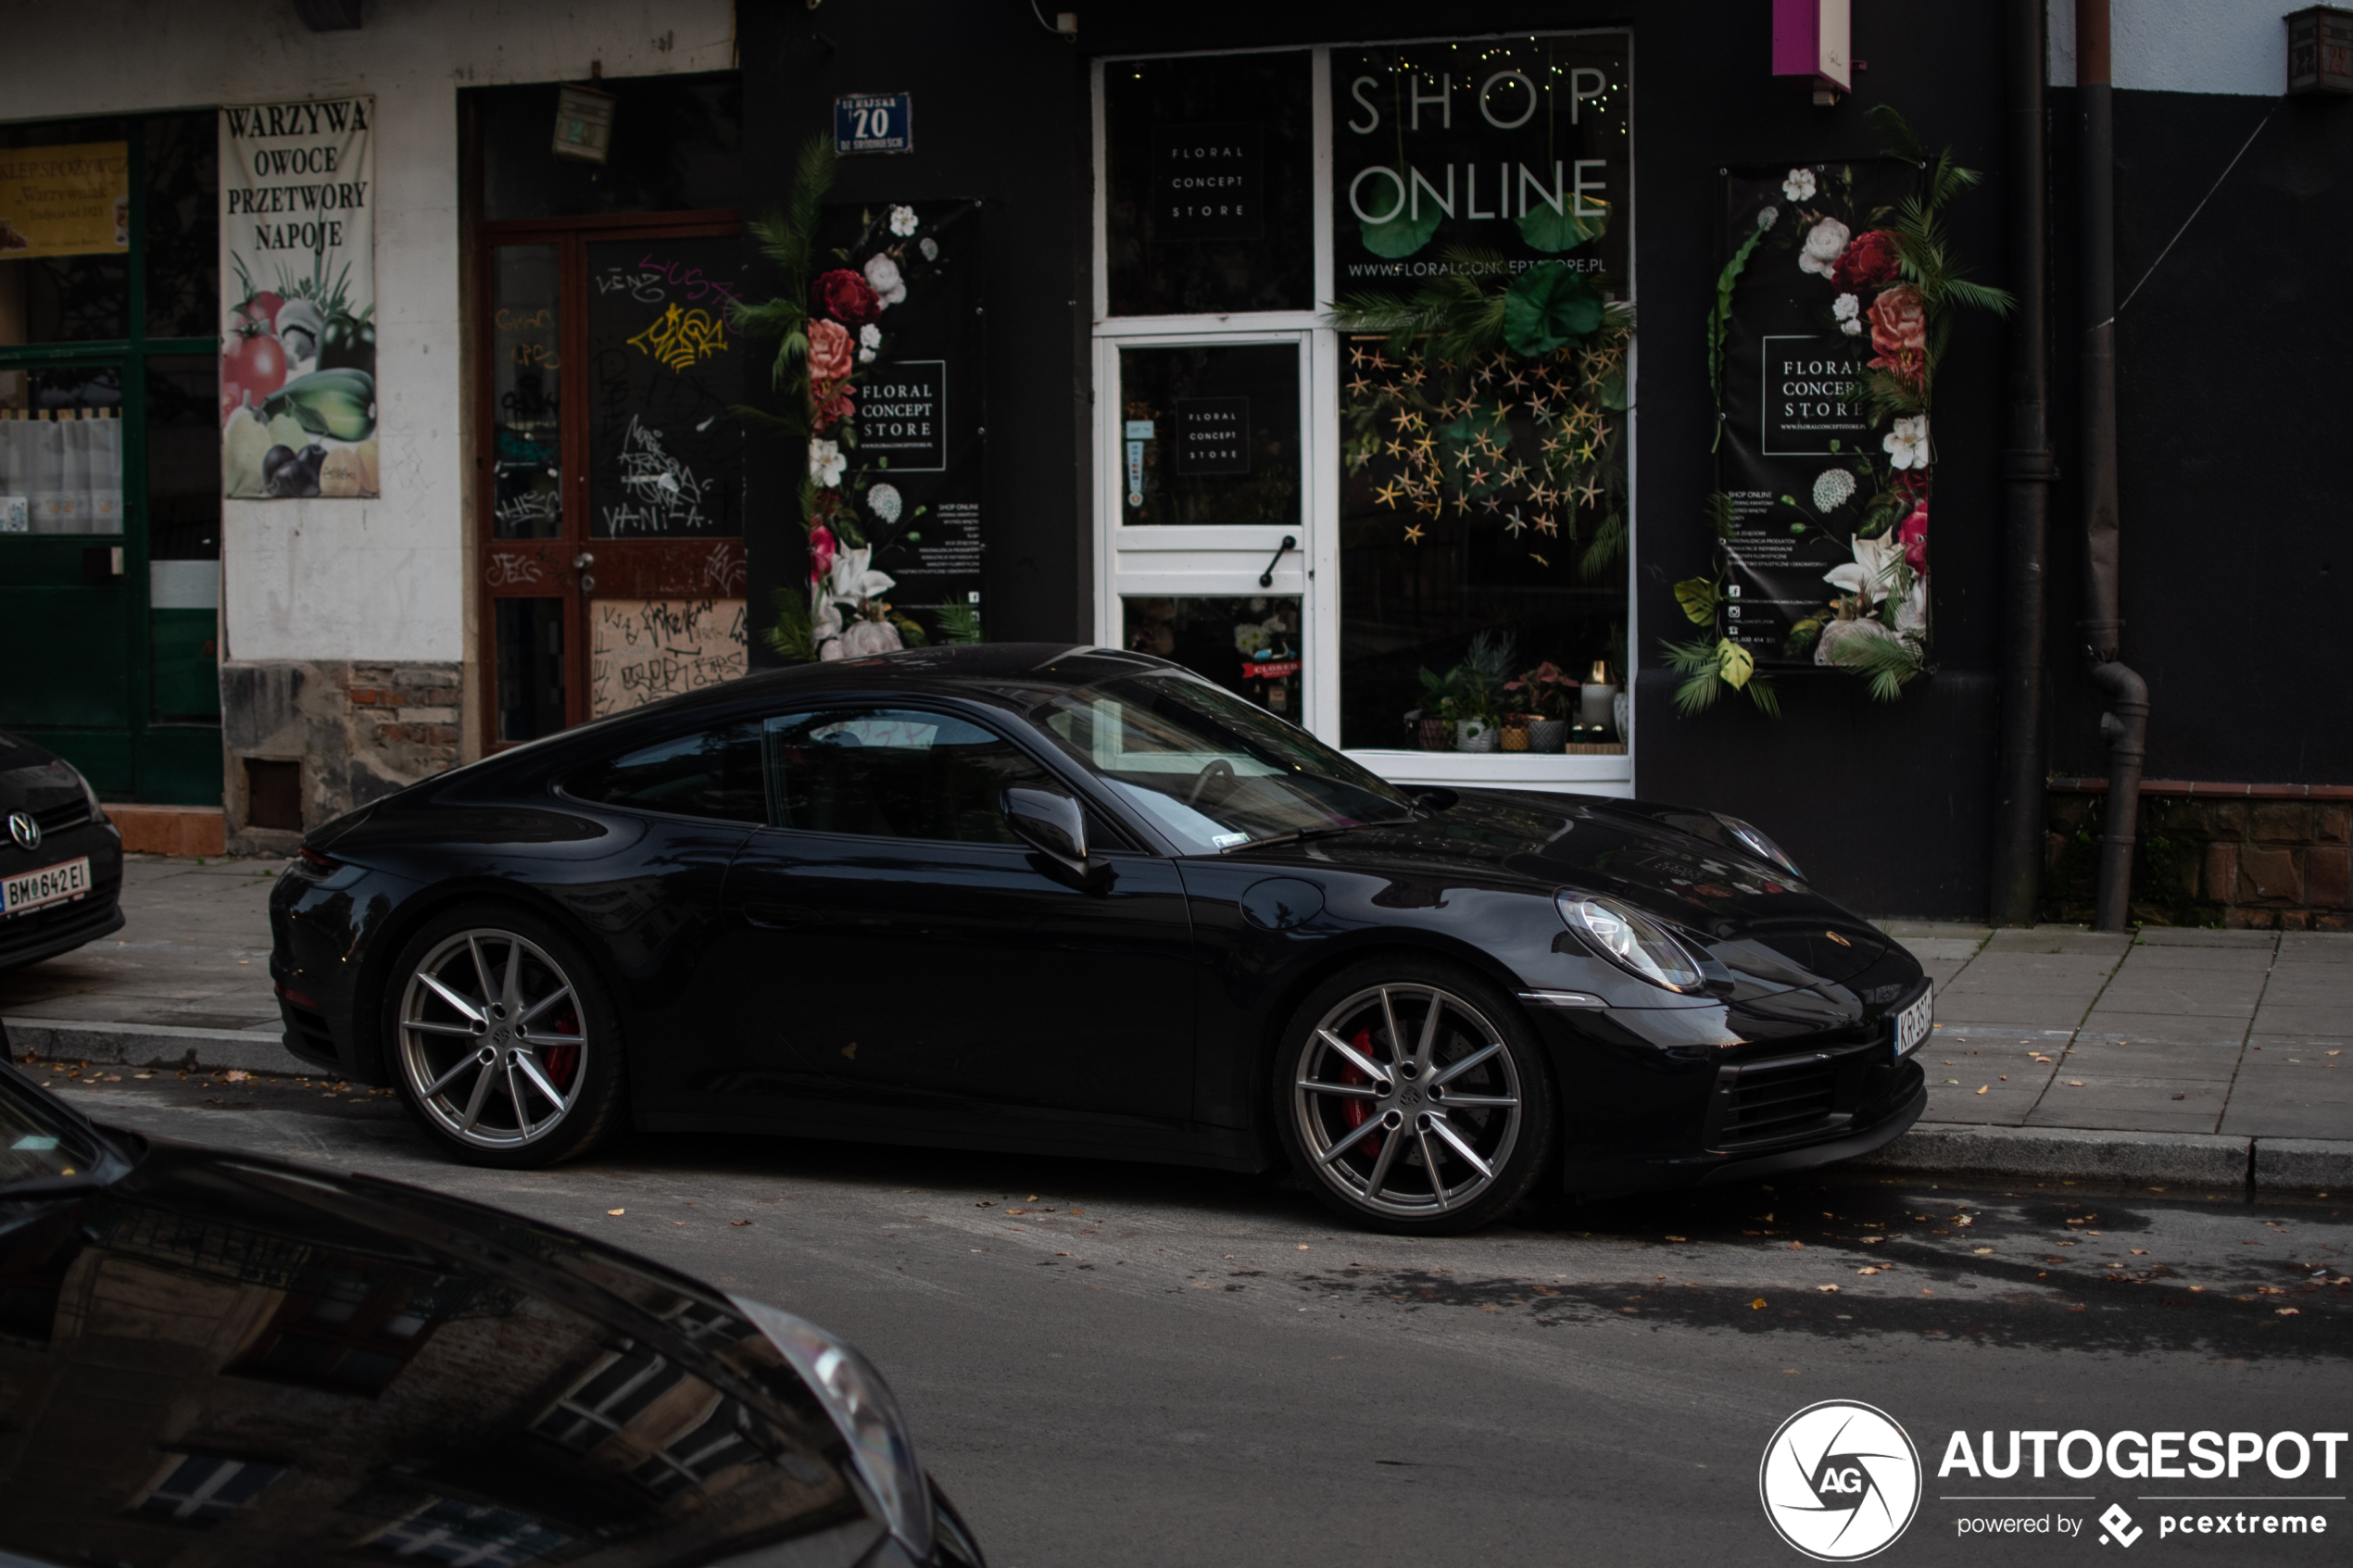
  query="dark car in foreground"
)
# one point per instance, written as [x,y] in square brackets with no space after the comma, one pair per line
[60,859]
[209,1357]
[1080,901]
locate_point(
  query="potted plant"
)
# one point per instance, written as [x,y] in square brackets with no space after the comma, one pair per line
[1434,720]
[1546,695]
[1477,687]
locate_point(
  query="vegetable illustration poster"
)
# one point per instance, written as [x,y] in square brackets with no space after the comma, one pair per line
[298,300]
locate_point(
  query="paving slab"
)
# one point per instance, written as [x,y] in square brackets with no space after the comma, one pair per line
[2179,936]
[1936,928]
[2201,1062]
[2118,1101]
[2294,1020]
[2071,940]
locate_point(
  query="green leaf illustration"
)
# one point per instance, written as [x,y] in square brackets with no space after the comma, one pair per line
[1546,227]
[1403,231]
[1548,305]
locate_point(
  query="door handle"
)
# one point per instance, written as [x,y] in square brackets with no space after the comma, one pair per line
[1267,578]
[583,561]
[775,917]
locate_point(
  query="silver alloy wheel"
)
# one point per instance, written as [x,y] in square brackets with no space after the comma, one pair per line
[1407,1100]
[493,1039]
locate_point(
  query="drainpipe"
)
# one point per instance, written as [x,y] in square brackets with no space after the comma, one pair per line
[2028,470]
[2125,725]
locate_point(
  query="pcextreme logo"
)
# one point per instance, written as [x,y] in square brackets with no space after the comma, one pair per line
[1841,1481]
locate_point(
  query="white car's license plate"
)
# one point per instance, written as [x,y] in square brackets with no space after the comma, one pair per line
[1912,1025]
[47,886]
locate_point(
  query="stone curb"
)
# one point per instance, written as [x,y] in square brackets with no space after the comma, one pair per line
[2201,1159]
[143,1044]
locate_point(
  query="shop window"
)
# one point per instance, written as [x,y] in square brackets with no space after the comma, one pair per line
[713,775]
[1251,646]
[529,643]
[351,1331]
[61,450]
[1211,187]
[182,224]
[206,1488]
[677,146]
[894,774]
[1210,435]
[525,375]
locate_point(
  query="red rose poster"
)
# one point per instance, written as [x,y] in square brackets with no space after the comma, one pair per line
[1824,471]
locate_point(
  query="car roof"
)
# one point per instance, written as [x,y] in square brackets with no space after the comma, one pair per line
[947,671]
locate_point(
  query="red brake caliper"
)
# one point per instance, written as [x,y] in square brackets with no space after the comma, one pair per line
[1354,1111]
[562,1061]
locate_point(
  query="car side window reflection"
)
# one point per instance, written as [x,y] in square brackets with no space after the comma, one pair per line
[715,773]
[893,773]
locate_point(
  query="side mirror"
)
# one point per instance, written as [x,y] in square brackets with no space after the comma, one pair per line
[1048,821]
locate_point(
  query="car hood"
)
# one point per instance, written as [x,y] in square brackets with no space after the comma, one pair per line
[306,1364]
[1756,917]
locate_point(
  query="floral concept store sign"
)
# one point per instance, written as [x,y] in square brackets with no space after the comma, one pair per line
[1827,490]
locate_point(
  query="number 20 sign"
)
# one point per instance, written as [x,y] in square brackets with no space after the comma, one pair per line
[874,122]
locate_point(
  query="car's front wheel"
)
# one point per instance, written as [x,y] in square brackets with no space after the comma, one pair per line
[502,1041]
[1414,1098]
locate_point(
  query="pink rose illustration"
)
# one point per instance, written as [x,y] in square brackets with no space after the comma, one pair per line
[821,553]
[1913,536]
[832,351]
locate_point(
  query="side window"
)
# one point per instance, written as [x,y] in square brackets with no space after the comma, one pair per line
[893,773]
[715,773]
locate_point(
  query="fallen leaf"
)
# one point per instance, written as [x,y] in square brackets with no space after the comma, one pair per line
[1303,1246]
[1033,1198]
[616,1211]
[2140,1251]
[740,1221]
[1981,1250]
[2291,1312]
[237,1074]
[2005,1077]
[1016,1210]
[1675,1238]
[1867,1271]
[1757,1304]
[2075,1083]
[1828,1287]
[1983,1087]
[1797,1246]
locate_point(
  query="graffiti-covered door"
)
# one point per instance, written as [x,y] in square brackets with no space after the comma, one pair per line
[612,554]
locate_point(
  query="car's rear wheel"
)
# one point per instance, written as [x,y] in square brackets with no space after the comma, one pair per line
[1414,1098]
[501,1040]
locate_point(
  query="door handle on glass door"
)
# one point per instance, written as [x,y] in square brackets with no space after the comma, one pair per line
[1267,578]
[583,561]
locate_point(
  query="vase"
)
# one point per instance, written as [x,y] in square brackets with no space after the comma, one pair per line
[1514,738]
[1474,735]
[1595,703]
[1547,734]
[1622,709]
[1438,734]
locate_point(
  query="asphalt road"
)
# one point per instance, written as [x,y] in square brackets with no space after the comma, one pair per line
[1144,1365]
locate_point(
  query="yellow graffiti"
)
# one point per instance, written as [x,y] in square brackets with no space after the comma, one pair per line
[680,338]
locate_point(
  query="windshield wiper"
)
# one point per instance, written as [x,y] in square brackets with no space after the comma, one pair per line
[1300,836]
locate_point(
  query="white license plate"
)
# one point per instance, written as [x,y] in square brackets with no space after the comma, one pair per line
[1913,1023]
[47,886]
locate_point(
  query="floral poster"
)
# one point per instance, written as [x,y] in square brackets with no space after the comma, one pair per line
[1823,457]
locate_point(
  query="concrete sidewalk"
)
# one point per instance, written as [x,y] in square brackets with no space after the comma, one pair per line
[2206,1057]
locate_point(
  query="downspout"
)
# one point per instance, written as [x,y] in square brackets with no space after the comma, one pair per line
[2125,725]
[2028,470]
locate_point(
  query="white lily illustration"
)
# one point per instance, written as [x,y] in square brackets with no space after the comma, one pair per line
[851,581]
[1906,443]
[1870,576]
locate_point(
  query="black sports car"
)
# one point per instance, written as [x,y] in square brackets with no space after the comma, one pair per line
[60,859]
[217,1358]
[1084,901]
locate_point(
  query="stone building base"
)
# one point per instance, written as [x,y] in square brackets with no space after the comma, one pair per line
[352,732]
[2266,857]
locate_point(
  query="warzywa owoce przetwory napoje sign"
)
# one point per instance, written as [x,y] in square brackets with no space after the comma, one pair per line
[298,296]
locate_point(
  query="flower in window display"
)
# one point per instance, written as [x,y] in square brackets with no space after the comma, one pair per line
[1867,263]
[844,297]
[902,220]
[885,502]
[825,462]
[820,554]
[1912,533]
[1823,243]
[870,340]
[831,353]
[853,582]
[1799,186]
[882,276]
[1848,310]
[1899,334]
[1833,489]
[1906,442]
[832,404]
[863,638]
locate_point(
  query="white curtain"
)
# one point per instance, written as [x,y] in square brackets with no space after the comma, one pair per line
[67,471]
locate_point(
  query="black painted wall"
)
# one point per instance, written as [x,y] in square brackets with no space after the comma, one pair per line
[2230,400]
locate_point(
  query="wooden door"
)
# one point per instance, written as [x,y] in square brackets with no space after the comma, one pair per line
[611,508]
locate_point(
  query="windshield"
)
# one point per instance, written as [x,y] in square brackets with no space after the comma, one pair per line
[38,1139]
[1215,772]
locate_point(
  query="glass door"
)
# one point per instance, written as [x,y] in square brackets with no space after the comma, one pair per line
[1210,562]
[612,530]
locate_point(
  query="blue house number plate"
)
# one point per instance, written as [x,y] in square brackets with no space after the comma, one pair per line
[874,122]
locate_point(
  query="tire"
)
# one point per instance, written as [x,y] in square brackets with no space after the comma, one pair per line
[1367,1126]
[506,992]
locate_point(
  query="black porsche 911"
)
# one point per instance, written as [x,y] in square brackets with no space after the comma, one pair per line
[60,859]
[213,1357]
[1080,901]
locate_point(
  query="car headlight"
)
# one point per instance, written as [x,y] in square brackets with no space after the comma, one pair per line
[859,1401]
[97,812]
[1761,846]
[1634,942]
